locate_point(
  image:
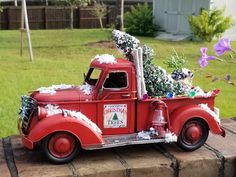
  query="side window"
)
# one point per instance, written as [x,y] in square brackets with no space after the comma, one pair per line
[116,80]
[92,76]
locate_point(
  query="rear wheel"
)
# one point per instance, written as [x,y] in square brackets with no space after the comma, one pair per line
[193,134]
[61,147]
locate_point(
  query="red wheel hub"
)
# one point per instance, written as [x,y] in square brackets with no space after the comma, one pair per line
[192,132]
[61,144]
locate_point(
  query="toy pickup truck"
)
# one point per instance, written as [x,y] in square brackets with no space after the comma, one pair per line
[105,112]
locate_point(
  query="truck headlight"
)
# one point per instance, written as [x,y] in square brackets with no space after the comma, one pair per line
[42,113]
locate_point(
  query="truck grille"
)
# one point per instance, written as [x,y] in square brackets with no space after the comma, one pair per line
[28,105]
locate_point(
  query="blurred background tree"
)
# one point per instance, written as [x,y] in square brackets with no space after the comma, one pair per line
[209,24]
[139,20]
[100,11]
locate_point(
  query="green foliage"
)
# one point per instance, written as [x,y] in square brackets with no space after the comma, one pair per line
[175,61]
[209,24]
[139,20]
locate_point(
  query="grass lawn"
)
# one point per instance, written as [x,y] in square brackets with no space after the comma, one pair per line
[62,56]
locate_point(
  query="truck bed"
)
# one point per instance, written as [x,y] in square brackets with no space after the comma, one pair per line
[145,109]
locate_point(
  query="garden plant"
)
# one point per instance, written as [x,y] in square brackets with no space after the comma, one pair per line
[139,20]
[209,24]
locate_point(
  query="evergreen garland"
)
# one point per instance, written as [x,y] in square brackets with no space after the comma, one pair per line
[158,82]
[148,54]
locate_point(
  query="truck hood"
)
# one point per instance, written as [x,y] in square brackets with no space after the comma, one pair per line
[63,95]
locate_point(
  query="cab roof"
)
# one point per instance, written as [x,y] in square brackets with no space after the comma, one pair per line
[120,63]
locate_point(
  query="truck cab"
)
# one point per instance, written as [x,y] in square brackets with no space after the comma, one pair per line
[115,95]
[105,112]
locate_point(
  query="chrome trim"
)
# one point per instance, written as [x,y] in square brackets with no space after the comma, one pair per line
[123,140]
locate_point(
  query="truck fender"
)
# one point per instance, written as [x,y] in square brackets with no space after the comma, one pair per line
[85,133]
[180,116]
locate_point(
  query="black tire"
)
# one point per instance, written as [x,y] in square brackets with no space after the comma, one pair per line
[73,152]
[195,125]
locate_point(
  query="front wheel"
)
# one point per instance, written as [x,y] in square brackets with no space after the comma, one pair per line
[61,147]
[193,134]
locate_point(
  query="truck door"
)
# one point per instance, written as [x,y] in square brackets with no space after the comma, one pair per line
[116,106]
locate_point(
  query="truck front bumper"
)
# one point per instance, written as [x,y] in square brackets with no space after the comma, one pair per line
[27,143]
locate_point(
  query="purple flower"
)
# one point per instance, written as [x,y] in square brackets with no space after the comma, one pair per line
[145,96]
[222,46]
[203,61]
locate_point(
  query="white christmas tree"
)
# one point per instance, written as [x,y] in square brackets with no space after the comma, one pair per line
[158,82]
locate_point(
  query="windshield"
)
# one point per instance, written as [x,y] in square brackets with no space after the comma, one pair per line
[92,76]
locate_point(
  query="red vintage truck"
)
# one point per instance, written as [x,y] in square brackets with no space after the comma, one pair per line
[105,113]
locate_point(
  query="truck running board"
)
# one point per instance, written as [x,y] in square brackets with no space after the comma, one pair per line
[124,140]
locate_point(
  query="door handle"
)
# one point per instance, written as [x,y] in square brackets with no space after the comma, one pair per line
[126,95]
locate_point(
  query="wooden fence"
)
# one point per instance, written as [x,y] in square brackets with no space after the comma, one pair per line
[51,17]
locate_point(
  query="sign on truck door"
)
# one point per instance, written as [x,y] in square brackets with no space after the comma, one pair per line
[116,109]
